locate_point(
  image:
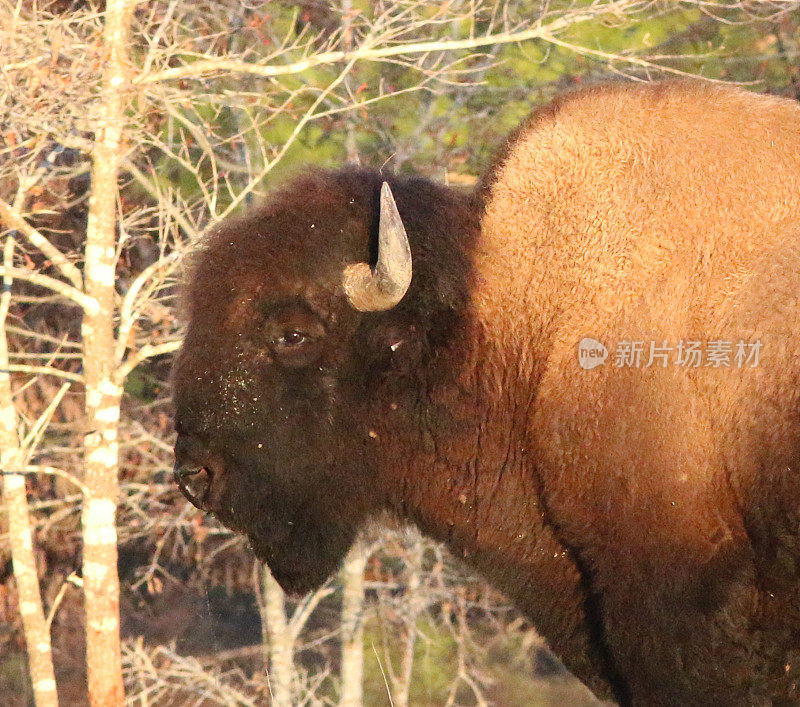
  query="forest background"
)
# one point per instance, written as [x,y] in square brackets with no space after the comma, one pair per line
[126,130]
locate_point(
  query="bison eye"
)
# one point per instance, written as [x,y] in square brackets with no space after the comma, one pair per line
[291,338]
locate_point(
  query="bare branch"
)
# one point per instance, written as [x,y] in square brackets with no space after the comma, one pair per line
[72,580]
[43,371]
[307,116]
[148,185]
[130,302]
[149,351]
[14,220]
[102,399]
[50,471]
[87,303]
[369,52]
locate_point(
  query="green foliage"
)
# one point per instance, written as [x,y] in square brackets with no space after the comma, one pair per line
[435,664]
[505,663]
[399,118]
[142,384]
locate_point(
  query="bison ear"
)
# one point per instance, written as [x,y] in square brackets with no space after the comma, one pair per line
[395,342]
[382,287]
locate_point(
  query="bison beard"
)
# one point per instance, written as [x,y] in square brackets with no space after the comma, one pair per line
[298,508]
[645,519]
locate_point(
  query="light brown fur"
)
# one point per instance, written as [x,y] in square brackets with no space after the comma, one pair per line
[662,212]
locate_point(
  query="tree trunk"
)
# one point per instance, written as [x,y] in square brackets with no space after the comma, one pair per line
[281,642]
[37,635]
[353,627]
[101,582]
[413,605]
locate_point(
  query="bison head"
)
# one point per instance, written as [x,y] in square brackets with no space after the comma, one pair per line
[291,335]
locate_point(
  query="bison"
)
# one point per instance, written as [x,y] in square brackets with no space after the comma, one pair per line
[528,396]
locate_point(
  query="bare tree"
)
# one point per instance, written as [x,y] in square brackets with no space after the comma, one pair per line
[174,125]
[92,290]
[412,606]
[353,610]
[282,629]
[12,462]
[279,638]
[102,390]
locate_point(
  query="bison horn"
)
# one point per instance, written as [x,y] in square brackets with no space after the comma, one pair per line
[382,287]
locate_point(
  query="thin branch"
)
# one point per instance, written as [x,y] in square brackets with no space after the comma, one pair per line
[369,52]
[37,429]
[87,303]
[141,178]
[298,129]
[149,351]
[627,59]
[14,220]
[42,371]
[73,580]
[42,337]
[49,471]
[383,674]
[15,499]
[305,609]
[128,316]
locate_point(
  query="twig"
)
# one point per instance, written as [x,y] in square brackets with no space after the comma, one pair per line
[145,352]
[42,371]
[73,580]
[14,220]
[89,304]
[368,52]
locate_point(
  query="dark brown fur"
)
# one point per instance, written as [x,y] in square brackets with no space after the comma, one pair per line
[645,519]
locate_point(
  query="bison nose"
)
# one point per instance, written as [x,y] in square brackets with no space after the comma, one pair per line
[195,470]
[194,483]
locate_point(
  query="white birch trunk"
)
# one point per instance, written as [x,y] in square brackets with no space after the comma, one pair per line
[100,579]
[281,641]
[353,626]
[37,635]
